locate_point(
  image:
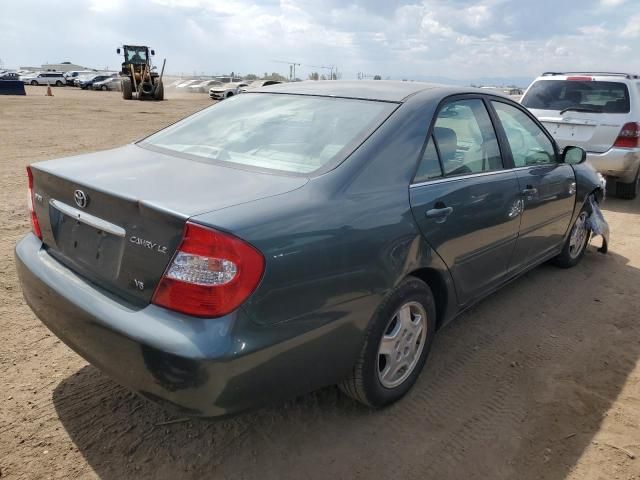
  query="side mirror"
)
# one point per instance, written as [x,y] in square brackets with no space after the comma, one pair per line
[573,155]
[153,52]
[118,51]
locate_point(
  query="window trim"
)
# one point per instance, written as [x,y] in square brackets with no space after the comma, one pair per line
[456,178]
[507,160]
[505,139]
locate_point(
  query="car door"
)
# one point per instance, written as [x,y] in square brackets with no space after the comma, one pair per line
[548,186]
[464,200]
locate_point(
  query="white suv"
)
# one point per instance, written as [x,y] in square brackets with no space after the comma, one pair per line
[47,78]
[599,112]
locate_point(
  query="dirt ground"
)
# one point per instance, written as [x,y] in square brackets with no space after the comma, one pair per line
[541,380]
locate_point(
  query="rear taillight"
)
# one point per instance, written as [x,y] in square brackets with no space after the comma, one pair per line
[210,275]
[629,136]
[35,225]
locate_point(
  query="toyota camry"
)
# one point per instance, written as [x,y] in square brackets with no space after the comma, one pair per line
[297,236]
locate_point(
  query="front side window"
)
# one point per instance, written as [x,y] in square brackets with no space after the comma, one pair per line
[465,139]
[289,133]
[529,145]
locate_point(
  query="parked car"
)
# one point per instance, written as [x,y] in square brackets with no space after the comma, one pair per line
[223,79]
[24,76]
[257,84]
[71,76]
[187,83]
[599,112]
[111,83]
[45,78]
[87,82]
[9,76]
[226,90]
[82,77]
[301,235]
[203,87]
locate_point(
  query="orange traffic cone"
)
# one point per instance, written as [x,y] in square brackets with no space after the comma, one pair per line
[49,94]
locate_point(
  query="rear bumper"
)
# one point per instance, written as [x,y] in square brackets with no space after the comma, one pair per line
[619,164]
[202,367]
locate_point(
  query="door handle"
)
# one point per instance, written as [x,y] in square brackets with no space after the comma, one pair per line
[529,191]
[440,214]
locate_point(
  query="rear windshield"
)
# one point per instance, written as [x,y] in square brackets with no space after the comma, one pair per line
[578,95]
[290,133]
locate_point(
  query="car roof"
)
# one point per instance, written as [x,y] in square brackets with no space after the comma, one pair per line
[381,90]
[594,75]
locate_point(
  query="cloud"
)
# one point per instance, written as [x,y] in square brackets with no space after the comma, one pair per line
[397,38]
[632,28]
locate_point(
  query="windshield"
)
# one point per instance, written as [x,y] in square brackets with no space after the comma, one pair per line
[578,95]
[136,55]
[291,133]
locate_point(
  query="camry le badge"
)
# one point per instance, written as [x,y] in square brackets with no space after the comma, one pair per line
[81,198]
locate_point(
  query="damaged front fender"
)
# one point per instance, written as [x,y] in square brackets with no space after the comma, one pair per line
[590,191]
[597,224]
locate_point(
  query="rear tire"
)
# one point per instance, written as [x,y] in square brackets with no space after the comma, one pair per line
[127,89]
[628,191]
[104,88]
[576,244]
[34,83]
[394,350]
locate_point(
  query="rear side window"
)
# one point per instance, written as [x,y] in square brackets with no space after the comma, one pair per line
[529,145]
[465,139]
[578,95]
[429,163]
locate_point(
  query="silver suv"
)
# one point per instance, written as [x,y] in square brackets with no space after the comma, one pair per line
[599,112]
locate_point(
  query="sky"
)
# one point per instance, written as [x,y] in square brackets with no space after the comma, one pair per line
[461,39]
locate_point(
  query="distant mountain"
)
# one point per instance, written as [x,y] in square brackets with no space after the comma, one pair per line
[521,82]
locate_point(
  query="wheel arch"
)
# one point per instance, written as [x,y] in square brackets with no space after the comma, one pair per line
[441,294]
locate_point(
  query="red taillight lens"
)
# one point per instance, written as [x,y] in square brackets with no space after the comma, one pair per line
[629,136]
[580,79]
[35,225]
[210,275]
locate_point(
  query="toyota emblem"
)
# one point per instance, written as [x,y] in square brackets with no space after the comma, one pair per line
[81,198]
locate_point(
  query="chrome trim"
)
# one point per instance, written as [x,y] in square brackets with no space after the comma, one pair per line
[481,174]
[88,219]
[461,177]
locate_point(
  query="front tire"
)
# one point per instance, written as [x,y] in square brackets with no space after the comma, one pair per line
[396,346]
[576,244]
[34,83]
[158,92]
[58,83]
[127,88]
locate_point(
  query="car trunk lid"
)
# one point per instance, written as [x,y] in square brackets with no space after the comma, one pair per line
[116,217]
[586,130]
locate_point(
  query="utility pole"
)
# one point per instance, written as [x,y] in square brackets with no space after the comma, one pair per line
[292,68]
[331,68]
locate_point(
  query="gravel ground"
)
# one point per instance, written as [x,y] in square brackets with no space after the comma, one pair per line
[541,380]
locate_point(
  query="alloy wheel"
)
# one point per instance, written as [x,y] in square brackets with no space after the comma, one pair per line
[578,236]
[402,344]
